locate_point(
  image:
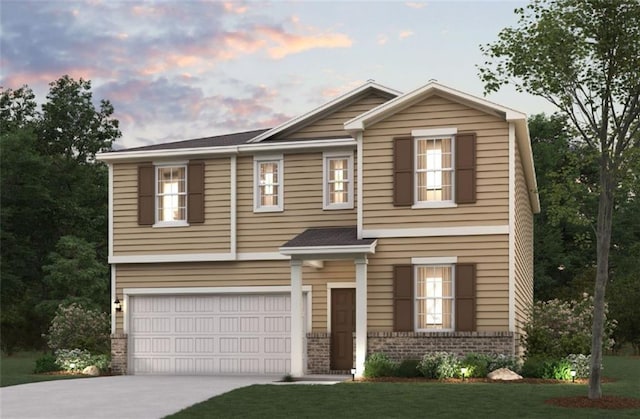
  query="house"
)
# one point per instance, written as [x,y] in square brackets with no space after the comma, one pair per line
[378,222]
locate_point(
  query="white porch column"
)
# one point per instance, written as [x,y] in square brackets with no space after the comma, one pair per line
[361,314]
[297,338]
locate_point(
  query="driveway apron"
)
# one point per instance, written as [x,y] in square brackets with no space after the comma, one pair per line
[122,396]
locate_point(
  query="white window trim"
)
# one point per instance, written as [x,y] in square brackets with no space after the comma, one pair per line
[178,223]
[453,297]
[325,180]
[450,203]
[279,159]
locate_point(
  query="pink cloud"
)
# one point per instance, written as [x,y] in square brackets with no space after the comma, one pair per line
[288,43]
[415,5]
[335,91]
[405,34]
[382,39]
[232,7]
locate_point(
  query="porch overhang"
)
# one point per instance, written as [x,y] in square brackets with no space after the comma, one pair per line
[317,244]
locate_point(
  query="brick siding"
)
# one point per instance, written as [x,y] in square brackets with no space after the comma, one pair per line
[119,354]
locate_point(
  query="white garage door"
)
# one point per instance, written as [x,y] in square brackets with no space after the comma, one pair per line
[210,334]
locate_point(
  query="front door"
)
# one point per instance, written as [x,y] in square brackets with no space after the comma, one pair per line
[343,323]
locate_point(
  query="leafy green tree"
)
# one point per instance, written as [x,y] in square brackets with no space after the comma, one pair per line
[583,56]
[51,187]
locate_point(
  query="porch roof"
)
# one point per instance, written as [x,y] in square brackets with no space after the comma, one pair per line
[330,240]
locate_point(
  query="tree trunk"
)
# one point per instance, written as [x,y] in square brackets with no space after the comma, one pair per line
[603,237]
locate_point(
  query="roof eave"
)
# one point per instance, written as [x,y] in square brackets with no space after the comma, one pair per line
[328,250]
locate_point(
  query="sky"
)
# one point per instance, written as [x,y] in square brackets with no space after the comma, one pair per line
[176,70]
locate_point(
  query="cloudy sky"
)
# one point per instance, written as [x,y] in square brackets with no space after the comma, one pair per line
[185,69]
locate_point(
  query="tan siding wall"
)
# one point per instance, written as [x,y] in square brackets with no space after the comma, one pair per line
[333,125]
[523,246]
[267,231]
[490,253]
[236,274]
[213,236]
[492,206]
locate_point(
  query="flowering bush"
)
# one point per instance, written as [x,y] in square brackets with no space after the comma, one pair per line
[75,360]
[580,363]
[76,327]
[440,365]
[557,328]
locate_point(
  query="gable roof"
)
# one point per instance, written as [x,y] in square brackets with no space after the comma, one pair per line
[519,119]
[329,107]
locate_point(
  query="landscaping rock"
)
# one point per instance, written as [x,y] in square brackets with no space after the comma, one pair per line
[504,374]
[91,370]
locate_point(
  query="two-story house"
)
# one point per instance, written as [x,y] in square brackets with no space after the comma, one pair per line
[378,222]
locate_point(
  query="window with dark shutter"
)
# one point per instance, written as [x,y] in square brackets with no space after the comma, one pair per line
[403,298]
[146,194]
[465,286]
[465,179]
[403,171]
[195,192]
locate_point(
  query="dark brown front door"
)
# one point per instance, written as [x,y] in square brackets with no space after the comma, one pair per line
[343,323]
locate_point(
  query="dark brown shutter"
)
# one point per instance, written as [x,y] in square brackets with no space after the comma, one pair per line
[465,168]
[465,285]
[195,192]
[403,298]
[403,171]
[146,194]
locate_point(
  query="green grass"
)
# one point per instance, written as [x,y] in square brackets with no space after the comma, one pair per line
[18,369]
[407,400]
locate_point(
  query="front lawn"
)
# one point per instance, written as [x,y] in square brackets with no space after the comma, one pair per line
[18,369]
[431,399]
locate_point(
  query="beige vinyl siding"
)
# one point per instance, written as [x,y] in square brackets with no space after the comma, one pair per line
[213,236]
[267,231]
[235,274]
[492,206]
[333,125]
[523,246]
[489,253]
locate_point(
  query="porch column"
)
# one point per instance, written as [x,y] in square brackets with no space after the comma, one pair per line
[361,314]
[297,338]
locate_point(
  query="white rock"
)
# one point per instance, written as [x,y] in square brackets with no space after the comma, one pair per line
[504,374]
[91,370]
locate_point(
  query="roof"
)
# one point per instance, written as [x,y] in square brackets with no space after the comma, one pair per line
[328,240]
[340,101]
[215,141]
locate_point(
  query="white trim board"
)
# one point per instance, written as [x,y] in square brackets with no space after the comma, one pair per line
[445,260]
[197,257]
[512,221]
[435,231]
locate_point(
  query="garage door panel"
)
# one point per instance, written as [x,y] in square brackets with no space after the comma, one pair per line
[211,334]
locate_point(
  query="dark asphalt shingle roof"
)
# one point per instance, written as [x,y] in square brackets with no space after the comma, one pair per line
[331,236]
[216,141]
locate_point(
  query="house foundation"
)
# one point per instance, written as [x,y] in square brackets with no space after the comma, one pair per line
[119,354]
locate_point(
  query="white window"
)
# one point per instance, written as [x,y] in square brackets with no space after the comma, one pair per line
[434,169]
[268,189]
[171,195]
[338,181]
[434,297]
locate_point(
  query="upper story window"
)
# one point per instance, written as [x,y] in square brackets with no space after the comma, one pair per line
[268,184]
[434,297]
[434,169]
[171,194]
[338,181]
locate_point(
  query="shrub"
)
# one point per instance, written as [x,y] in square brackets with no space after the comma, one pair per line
[75,360]
[536,367]
[46,363]
[581,364]
[560,370]
[379,365]
[557,328]
[440,365]
[477,365]
[408,368]
[76,327]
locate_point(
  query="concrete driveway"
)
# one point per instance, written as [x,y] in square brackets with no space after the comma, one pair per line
[121,397]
